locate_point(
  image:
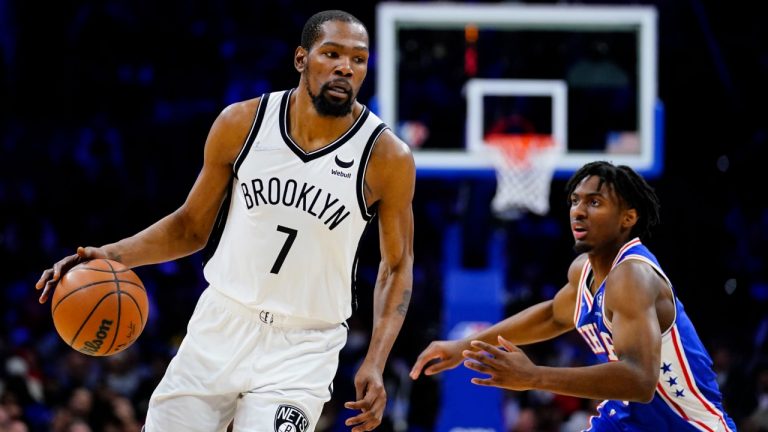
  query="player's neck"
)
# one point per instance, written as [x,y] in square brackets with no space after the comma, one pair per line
[601,259]
[310,130]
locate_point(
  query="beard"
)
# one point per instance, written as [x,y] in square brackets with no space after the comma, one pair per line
[330,106]
[581,247]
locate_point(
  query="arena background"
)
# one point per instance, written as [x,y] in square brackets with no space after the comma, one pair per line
[104,108]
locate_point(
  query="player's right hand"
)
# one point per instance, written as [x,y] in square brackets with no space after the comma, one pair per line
[51,276]
[445,354]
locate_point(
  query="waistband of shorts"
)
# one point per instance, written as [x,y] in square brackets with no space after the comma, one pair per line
[265,316]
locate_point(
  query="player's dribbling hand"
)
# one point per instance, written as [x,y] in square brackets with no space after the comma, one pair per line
[371,400]
[446,353]
[51,276]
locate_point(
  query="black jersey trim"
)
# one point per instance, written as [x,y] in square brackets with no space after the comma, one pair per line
[285,126]
[252,133]
[367,212]
[353,276]
[218,226]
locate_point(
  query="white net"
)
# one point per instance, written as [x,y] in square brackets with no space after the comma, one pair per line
[524,171]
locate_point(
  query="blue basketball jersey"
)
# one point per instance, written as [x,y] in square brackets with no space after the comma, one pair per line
[687,397]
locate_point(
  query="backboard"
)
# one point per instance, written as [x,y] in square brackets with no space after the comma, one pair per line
[450,74]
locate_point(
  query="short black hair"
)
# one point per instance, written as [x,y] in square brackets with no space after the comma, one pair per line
[311,31]
[629,186]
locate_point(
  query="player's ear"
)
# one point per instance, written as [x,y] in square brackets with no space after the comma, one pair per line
[300,59]
[629,219]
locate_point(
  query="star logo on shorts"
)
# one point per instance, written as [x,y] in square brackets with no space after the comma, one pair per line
[289,418]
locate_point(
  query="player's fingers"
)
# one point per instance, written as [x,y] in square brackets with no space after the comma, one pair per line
[43,279]
[88,253]
[482,381]
[366,397]
[372,407]
[360,390]
[416,369]
[366,421]
[49,286]
[67,263]
[490,349]
[359,419]
[375,397]
[367,426]
[61,267]
[438,367]
[360,404]
[479,356]
[508,345]
[83,253]
[425,357]
[479,367]
[43,296]
[483,357]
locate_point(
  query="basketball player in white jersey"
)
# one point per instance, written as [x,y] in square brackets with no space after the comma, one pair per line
[289,182]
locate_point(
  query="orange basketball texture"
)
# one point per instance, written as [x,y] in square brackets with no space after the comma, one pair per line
[100,307]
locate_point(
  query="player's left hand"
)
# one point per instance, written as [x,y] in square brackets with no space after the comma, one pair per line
[510,369]
[371,399]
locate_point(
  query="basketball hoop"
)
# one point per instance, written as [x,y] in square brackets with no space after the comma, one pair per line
[525,164]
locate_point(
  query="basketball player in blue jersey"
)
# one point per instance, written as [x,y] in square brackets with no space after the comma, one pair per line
[289,182]
[653,371]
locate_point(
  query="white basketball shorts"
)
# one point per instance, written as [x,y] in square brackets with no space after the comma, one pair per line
[269,373]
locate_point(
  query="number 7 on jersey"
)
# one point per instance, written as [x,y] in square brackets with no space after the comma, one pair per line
[286,247]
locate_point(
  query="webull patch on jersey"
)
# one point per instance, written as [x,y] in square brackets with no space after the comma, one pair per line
[289,418]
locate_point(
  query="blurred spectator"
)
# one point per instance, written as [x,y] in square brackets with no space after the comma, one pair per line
[758,419]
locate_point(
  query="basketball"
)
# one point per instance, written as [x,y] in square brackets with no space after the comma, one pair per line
[100,307]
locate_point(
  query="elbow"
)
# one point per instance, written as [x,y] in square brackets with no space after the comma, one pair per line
[646,396]
[640,379]
[645,390]
[401,265]
[198,244]
[189,233]
[197,240]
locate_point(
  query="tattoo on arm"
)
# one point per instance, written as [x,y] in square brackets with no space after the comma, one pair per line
[402,308]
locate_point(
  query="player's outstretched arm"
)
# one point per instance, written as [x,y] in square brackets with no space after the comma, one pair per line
[631,295]
[537,323]
[390,181]
[186,230]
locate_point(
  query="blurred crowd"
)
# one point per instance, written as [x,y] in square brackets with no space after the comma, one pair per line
[105,108]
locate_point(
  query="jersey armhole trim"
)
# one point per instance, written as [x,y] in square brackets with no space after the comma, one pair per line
[365,211]
[580,292]
[218,227]
[255,126]
[667,282]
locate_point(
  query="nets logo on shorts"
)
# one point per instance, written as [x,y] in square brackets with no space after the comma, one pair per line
[289,418]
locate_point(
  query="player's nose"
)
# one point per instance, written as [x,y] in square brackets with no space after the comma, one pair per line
[578,211]
[344,68]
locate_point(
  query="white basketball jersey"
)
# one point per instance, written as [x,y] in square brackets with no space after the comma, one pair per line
[286,241]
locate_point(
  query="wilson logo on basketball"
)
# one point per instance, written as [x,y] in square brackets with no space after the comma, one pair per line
[94,345]
[289,418]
